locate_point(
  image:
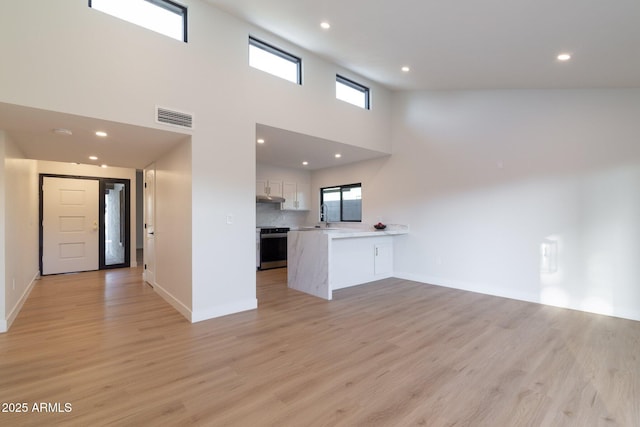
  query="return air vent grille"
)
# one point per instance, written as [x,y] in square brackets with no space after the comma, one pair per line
[174,118]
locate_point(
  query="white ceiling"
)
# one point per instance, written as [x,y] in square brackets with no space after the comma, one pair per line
[463,44]
[125,146]
[289,149]
[460,44]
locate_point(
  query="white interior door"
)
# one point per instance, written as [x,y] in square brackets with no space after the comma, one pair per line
[149,250]
[70,231]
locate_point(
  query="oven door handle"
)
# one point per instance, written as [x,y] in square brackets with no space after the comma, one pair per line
[273,236]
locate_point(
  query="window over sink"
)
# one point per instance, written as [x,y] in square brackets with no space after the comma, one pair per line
[342,203]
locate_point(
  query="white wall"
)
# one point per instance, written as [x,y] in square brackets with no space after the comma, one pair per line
[300,176]
[173,228]
[67,57]
[484,178]
[371,174]
[59,168]
[20,243]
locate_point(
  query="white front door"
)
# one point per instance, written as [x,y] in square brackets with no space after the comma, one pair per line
[149,250]
[70,231]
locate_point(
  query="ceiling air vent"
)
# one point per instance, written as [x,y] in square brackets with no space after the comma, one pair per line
[174,118]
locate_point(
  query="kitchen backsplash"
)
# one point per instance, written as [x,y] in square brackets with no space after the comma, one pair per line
[269,214]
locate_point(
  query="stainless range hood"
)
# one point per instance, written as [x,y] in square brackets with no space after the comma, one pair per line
[269,199]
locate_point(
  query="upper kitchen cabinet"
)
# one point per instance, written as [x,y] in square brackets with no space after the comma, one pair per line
[294,186]
[268,188]
[296,196]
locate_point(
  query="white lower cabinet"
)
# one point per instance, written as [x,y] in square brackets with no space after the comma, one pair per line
[360,260]
[383,259]
[321,261]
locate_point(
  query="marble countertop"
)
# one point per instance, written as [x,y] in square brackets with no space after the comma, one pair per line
[345,233]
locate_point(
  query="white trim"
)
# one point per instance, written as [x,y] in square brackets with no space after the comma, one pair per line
[479,288]
[173,301]
[484,289]
[223,310]
[6,324]
[211,313]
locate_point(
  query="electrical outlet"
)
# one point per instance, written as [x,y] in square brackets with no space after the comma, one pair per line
[229,219]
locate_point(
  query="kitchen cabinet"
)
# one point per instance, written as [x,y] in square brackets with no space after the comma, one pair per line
[383,259]
[321,261]
[266,187]
[296,196]
[360,260]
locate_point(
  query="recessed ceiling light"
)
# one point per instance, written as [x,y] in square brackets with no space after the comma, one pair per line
[564,57]
[260,141]
[325,25]
[305,163]
[338,155]
[101,133]
[405,69]
[93,158]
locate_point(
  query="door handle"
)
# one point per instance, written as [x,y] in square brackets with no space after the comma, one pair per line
[152,233]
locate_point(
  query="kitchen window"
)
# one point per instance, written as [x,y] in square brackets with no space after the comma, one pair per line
[352,92]
[342,203]
[162,16]
[274,61]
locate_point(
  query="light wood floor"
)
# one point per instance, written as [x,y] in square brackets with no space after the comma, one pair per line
[393,353]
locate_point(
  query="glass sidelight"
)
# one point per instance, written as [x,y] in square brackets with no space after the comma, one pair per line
[114,251]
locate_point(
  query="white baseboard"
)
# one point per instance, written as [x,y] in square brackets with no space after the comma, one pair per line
[6,324]
[479,288]
[223,310]
[173,301]
[210,313]
[499,292]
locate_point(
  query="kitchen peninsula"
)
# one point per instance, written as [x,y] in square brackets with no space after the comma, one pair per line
[321,260]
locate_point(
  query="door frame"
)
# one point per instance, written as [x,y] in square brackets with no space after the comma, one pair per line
[149,213]
[101,205]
